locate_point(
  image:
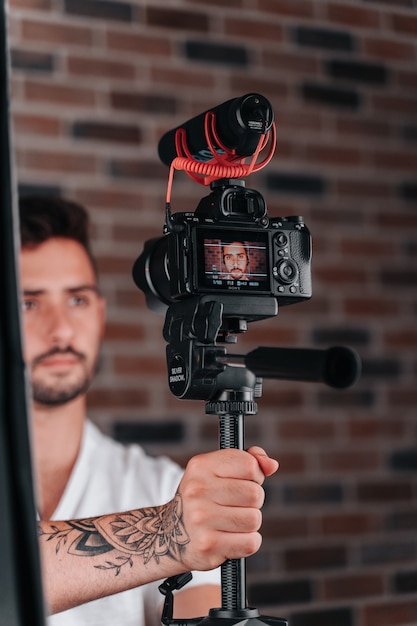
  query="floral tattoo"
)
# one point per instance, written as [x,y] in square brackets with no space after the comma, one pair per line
[149,533]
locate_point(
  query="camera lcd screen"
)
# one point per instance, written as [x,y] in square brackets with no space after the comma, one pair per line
[233,260]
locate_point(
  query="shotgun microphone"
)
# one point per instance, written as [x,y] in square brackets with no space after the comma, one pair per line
[236,127]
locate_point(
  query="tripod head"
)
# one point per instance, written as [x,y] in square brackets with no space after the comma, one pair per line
[200,369]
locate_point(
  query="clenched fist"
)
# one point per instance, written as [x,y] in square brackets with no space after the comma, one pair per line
[221,496]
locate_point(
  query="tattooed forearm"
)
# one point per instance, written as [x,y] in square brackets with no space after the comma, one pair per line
[148,533]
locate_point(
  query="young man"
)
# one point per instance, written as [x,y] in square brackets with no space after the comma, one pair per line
[131,520]
[236,260]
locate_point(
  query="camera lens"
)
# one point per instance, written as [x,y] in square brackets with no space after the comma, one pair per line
[151,274]
[285,272]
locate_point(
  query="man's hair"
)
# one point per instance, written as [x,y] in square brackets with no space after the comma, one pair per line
[45,217]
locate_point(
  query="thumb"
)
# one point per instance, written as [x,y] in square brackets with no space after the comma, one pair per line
[268,465]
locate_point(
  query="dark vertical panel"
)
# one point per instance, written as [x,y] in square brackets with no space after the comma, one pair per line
[21,602]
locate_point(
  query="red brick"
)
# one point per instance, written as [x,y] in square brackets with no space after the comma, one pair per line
[114,265]
[353,15]
[133,299]
[402,338]
[384,491]
[177,19]
[341,275]
[32,124]
[389,49]
[55,33]
[132,365]
[284,527]
[148,45]
[118,398]
[376,428]
[59,94]
[394,104]
[112,198]
[363,127]
[342,461]
[124,332]
[57,161]
[281,398]
[353,587]
[391,613]
[364,189]
[333,155]
[349,524]
[302,8]
[371,248]
[320,557]
[235,4]
[291,463]
[34,5]
[402,397]
[404,23]
[374,307]
[135,233]
[407,79]
[290,119]
[272,331]
[396,219]
[306,429]
[250,29]
[241,84]
[80,66]
[182,78]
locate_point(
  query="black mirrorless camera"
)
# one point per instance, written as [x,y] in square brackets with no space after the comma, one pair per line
[229,249]
[201,254]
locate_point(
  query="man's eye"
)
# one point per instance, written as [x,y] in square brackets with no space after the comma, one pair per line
[78,301]
[28,305]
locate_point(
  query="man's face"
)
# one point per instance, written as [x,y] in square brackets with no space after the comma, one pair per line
[235,259]
[63,320]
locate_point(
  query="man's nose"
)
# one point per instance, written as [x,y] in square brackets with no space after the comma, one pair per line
[60,327]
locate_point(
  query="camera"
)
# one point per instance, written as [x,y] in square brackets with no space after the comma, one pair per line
[228,248]
[229,253]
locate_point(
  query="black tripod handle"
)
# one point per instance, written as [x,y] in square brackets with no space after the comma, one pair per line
[338,367]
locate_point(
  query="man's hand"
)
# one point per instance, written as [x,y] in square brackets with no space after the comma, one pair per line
[222,495]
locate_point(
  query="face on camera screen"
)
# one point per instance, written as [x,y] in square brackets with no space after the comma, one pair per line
[233,260]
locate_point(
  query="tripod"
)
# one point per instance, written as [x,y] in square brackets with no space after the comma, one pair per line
[231,406]
[200,369]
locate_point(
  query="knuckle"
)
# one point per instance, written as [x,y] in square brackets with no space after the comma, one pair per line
[194,463]
[254,520]
[192,490]
[255,494]
[252,544]
[253,466]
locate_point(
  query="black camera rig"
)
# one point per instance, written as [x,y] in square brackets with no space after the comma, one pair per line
[214,271]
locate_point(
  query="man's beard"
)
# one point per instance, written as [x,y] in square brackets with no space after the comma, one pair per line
[49,395]
[60,392]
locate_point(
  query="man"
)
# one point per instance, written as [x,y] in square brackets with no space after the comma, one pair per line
[236,260]
[130,520]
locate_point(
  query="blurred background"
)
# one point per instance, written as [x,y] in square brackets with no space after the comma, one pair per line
[94,85]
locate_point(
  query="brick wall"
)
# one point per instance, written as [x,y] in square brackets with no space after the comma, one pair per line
[94,84]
